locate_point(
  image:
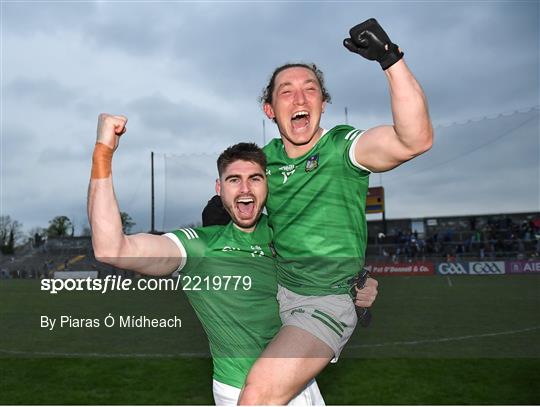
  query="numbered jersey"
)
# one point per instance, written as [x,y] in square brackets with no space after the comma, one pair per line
[316,208]
[230,280]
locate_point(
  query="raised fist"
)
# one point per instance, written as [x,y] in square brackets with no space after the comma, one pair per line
[110,128]
[371,41]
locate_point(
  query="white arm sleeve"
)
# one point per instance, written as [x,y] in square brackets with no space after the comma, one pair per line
[183,253]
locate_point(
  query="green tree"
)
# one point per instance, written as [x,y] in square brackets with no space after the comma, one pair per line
[127,222]
[60,226]
[10,234]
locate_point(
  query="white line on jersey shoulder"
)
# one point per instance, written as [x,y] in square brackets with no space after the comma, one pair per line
[350,135]
[189,233]
[183,253]
[352,155]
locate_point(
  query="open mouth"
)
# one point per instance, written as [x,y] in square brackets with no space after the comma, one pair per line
[300,119]
[245,206]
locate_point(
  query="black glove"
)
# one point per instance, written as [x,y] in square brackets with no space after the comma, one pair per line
[369,40]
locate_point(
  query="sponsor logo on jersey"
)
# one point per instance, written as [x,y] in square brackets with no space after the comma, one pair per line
[486,267]
[287,171]
[230,249]
[312,162]
[451,268]
[256,251]
[268,172]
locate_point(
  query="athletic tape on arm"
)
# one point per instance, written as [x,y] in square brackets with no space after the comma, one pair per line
[102,161]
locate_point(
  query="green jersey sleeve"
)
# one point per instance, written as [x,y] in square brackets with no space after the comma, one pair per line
[193,245]
[344,139]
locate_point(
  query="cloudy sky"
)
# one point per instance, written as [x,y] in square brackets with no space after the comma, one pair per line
[188,75]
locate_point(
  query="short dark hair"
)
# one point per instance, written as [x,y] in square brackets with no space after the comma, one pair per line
[241,151]
[266,96]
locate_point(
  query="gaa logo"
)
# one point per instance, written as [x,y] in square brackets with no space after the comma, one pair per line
[484,267]
[451,268]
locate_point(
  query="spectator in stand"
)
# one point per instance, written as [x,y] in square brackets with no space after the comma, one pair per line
[472,223]
[450,253]
[438,248]
[520,249]
[525,231]
[468,244]
[459,251]
[421,248]
[413,246]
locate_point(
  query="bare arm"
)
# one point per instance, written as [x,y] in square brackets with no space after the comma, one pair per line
[385,147]
[144,253]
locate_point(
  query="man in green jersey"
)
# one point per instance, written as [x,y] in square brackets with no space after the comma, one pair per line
[318,181]
[232,264]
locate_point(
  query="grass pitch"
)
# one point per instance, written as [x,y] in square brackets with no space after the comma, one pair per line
[433,340]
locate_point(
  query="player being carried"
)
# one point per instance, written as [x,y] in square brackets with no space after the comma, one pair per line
[240,249]
[318,181]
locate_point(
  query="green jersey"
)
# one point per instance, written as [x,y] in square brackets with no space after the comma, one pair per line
[316,208]
[230,280]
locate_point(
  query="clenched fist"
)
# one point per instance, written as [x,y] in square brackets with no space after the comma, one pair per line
[371,41]
[110,128]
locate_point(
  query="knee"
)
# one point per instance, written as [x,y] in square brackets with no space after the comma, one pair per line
[253,394]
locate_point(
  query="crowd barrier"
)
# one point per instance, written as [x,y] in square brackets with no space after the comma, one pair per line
[455,268]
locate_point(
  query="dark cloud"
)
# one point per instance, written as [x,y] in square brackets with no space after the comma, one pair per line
[479,167]
[46,17]
[166,117]
[188,76]
[40,91]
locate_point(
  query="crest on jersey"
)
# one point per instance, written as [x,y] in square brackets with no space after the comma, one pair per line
[312,162]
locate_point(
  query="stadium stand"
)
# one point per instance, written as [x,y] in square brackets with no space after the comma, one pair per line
[54,254]
[450,238]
